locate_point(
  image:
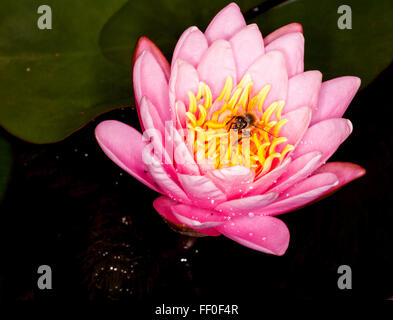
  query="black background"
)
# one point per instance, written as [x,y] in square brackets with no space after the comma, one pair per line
[70,207]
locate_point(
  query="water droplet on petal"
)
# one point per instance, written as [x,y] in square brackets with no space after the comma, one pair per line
[263,238]
[250,214]
[250,234]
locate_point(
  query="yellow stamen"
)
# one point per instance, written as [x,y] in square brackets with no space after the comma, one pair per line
[255,147]
[202,115]
[192,108]
[226,91]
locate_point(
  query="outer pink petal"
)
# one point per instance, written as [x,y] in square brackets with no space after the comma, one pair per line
[225,24]
[162,178]
[201,190]
[345,172]
[325,136]
[299,169]
[247,46]
[289,28]
[303,90]
[150,119]
[292,46]
[123,145]
[233,180]
[270,69]
[264,182]
[150,81]
[216,65]
[191,46]
[248,205]
[184,78]
[335,97]
[198,218]
[164,207]
[297,125]
[145,44]
[302,193]
[266,234]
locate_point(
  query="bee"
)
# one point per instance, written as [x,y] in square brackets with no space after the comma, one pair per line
[246,122]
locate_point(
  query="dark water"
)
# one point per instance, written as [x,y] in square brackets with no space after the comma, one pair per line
[68,206]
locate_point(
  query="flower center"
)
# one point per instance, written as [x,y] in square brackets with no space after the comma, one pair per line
[235,129]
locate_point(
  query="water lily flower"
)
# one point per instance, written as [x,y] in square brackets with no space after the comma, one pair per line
[277,162]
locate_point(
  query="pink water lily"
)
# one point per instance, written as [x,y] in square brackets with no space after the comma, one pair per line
[214,80]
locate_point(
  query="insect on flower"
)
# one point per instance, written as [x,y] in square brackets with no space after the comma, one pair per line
[245,123]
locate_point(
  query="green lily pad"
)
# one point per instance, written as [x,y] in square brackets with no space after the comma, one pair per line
[5,164]
[54,81]
[363,51]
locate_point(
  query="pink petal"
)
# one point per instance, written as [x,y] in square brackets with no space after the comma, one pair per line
[292,46]
[184,78]
[247,46]
[150,119]
[297,125]
[150,81]
[162,178]
[289,28]
[164,207]
[270,69]
[303,90]
[198,218]
[233,180]
[155,133]
[181,115]
[191,46]
[266,234]
[263,183]
[299,169]
[184,160]
[335,97]
[246,206]
[325,136]
[302,193]
[225,24]
[201,190]
[216,65]
[124,145]
[344,171]
[145,44]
